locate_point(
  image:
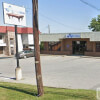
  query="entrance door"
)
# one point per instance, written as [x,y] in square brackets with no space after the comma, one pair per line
[79,47]
[1,50]
[12,51]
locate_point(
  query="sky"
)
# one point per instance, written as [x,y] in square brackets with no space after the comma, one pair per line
[62,16]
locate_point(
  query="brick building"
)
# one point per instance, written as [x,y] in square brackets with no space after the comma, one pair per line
[86,43]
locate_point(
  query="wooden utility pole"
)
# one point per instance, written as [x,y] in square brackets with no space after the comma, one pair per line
[37,48]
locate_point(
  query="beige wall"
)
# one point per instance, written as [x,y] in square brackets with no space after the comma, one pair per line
[7,40]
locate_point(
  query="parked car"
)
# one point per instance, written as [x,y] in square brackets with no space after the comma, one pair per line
[26,54]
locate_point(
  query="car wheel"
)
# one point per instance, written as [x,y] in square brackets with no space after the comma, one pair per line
[25,57]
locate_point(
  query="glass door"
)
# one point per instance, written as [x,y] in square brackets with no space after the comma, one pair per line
[79,47]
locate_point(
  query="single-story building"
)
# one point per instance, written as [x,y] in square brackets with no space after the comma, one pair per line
[85,43]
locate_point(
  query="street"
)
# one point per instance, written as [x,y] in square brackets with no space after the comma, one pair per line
[75,72]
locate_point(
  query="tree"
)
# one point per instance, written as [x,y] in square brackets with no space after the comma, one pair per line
[95,24]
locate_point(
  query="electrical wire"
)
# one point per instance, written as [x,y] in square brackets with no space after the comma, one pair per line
[53,20]
[29,10]
[92,6]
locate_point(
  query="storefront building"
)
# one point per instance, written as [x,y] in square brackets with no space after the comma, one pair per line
[87,43]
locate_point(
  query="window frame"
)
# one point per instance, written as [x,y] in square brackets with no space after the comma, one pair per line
[97,46]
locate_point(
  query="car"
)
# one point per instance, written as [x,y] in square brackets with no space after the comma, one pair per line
[26,54]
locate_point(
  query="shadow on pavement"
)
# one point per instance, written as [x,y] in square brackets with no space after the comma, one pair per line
[5,57]
[95,87]
[89,57]
[83,56]
[8,77]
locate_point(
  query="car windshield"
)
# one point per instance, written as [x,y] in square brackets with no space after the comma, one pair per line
[28,51]
[21,52]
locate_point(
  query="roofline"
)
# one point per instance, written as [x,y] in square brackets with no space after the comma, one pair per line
[20,30]
[70,33]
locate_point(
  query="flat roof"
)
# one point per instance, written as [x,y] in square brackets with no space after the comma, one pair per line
[93,36]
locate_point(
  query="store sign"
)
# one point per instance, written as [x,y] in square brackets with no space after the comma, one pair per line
[73,36]
[14,15]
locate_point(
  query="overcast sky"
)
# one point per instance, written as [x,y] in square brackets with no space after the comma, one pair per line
[61,15]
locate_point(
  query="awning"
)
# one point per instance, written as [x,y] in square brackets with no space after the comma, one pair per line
[3,44]
[11,45]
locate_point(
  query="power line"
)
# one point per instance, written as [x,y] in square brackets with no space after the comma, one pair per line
[53,20]
[92,6]
[29,10]
[58,22]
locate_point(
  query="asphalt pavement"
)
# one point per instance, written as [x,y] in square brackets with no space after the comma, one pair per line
[74,72]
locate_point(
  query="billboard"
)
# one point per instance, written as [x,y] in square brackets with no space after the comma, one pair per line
[14,15]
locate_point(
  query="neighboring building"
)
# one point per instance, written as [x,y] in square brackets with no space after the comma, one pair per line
[86,43]
[27,40]
[7,39]
[2,43]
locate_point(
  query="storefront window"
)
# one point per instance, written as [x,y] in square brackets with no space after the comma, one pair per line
[98,47]
[0,36]
[11,41]
[54,46]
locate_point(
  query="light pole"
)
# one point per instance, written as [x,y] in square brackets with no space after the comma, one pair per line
[16,46]
[37,48]
[18,71]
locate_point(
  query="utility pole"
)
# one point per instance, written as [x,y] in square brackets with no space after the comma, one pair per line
[49,29]
[37,48]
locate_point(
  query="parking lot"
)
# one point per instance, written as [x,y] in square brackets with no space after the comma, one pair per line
[77,72]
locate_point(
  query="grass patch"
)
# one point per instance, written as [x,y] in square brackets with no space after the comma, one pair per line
[14,91]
